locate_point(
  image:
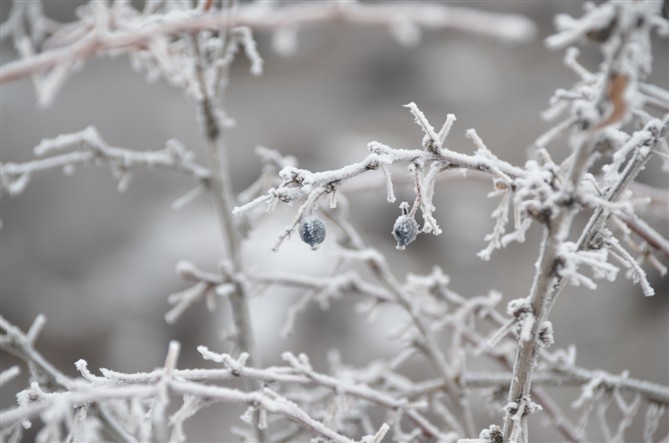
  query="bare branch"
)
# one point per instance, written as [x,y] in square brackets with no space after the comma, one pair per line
[14,177]
[429,16]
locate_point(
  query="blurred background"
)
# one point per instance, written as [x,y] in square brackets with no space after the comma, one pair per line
[100,264]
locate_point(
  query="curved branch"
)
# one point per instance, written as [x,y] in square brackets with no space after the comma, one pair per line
[429,16]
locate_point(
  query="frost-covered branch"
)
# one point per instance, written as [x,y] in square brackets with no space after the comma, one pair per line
[607,104]
[197,383]
[395,293]
[655,200]
[223,195]
[124,29]
[650,236]
[42,371]
[425,341]
[267,400]
[166,381]
[88,147]
[621,175]
[434,158]
[652,391]
[209,285]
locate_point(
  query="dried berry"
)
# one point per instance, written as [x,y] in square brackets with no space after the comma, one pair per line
[405,230]
[312,231]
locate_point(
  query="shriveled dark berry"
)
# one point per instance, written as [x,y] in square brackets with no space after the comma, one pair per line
[312,231]
[405,231]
